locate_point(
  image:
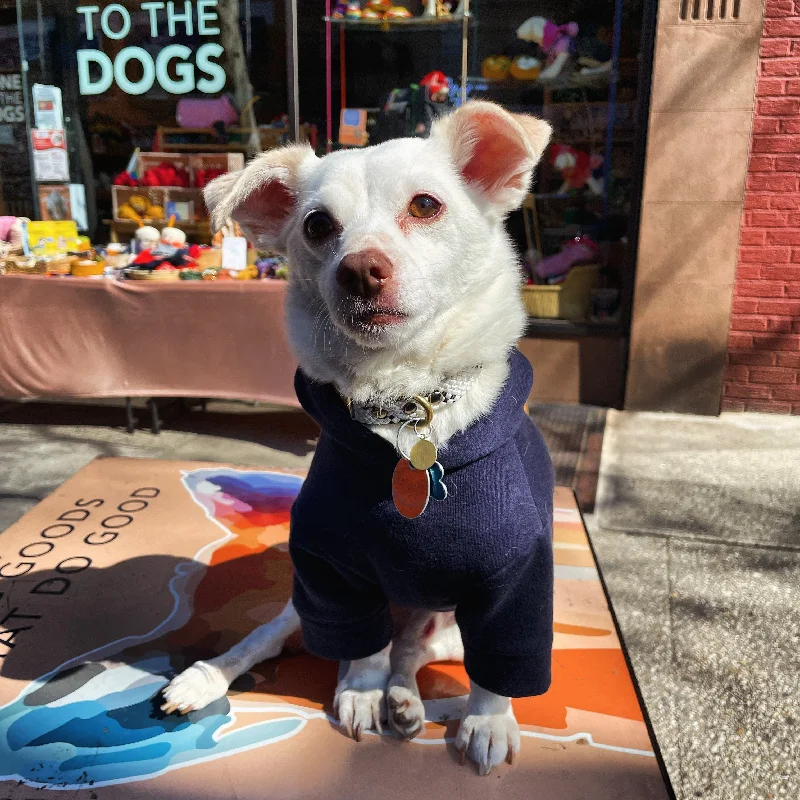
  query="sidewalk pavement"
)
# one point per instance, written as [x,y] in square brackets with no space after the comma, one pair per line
[697,532]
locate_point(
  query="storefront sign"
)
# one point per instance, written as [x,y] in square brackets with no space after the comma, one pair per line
[12,107]
[195,69]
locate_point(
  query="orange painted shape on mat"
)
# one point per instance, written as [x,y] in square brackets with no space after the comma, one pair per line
[579,630]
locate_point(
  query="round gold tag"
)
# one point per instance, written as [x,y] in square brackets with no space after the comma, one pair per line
[423,454]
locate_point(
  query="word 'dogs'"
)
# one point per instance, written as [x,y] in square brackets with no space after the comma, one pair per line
[193,69]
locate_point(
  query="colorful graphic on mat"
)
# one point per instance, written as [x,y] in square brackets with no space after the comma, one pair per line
[95,719]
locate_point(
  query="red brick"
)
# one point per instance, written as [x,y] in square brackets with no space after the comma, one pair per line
[778,8]
[784,272]
[737,374]
[773,375]
[753,200]
[796,408]
[768,407]
[782,27]
[788,125]
[767,219]
[787,359]
[792,289]
[747,322]
[796,256]
[786,164]
[779,324]
[770,87]
[776,144]
[739,341]
[793,219]
[752,237]
[794,49]
[786,393]
[775,341]
[758,289]
[780,308]
[765,255]
[791,87]
[754,359]
[778,107]
[748,272]
[766,125]
[732,405]
[746,391]
[775,48]
[783,236]
[790,202]
[763,163]
[774,67]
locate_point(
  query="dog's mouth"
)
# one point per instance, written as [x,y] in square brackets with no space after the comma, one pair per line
[370,318]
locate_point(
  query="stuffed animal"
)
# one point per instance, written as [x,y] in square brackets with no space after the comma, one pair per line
[525,68]
[579,250]
[353,10]
[557,41]
[577,168]
[495,68]
[339,11]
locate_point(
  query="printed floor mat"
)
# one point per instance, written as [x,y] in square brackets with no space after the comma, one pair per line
[134,569]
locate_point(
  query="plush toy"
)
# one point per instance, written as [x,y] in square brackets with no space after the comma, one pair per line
[440,8]
[339,11]
[353,10]
[495,68]
[525,68]
[577,168]
[579,250]
[397,12]
[173,237]
[379,6]
[557,41]
[437,85]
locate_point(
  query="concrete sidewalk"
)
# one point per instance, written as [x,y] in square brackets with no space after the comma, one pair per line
[697,532]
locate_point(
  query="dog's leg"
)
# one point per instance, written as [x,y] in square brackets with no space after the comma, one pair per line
[359,700]
[206,681]
[489,733]
[427,637]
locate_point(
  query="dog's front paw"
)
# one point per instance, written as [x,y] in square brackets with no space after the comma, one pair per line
[406,712]
[359,710]
[194,688]
[488,739]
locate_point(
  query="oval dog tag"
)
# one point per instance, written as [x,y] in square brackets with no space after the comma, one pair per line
[410,489]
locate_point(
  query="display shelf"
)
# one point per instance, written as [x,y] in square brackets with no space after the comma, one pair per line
[539,328]
[572,80]
[409,23]
[199,230]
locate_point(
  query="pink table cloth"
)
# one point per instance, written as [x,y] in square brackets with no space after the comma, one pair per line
[89,338]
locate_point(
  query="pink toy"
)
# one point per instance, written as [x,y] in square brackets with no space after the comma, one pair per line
[555,40]
[576,250]
[203,113]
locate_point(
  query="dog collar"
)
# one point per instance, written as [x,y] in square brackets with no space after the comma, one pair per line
[397,410]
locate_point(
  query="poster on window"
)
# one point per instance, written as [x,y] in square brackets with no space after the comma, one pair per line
[50,162]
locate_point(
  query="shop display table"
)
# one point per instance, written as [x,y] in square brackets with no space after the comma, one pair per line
[88,338]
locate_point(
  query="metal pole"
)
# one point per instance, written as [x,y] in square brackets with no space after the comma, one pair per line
[291,70]
[464,49]
[23,68]
[612,105]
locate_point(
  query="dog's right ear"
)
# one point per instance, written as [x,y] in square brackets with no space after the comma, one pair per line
[262,196]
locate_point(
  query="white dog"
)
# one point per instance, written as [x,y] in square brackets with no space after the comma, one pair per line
[404,284]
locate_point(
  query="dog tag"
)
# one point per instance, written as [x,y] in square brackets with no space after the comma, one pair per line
[410,489]
[438,488]
[423,454]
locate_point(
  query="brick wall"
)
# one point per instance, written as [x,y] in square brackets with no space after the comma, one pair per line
[763,369]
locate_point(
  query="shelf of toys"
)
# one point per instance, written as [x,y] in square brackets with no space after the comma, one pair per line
[573,221]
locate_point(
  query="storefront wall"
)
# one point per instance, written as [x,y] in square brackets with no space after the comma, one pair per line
[701,116]
[763,360]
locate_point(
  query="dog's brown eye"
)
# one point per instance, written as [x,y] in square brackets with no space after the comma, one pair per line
[423,206]
[318,225]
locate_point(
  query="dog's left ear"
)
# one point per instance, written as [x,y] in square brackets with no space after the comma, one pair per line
[494,151]
[262,196]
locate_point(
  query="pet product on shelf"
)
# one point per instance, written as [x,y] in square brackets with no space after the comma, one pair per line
[577,168]
[557,42]
[579,250]
[495,68]
[525,68]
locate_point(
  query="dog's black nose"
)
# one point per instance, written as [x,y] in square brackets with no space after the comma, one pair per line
[363,274]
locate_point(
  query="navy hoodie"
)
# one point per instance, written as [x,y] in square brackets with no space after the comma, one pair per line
[486,550]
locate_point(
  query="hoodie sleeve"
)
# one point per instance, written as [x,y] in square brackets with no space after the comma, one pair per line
[507,626]
[344,616]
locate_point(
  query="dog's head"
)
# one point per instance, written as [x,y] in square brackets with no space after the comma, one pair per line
[385,241]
